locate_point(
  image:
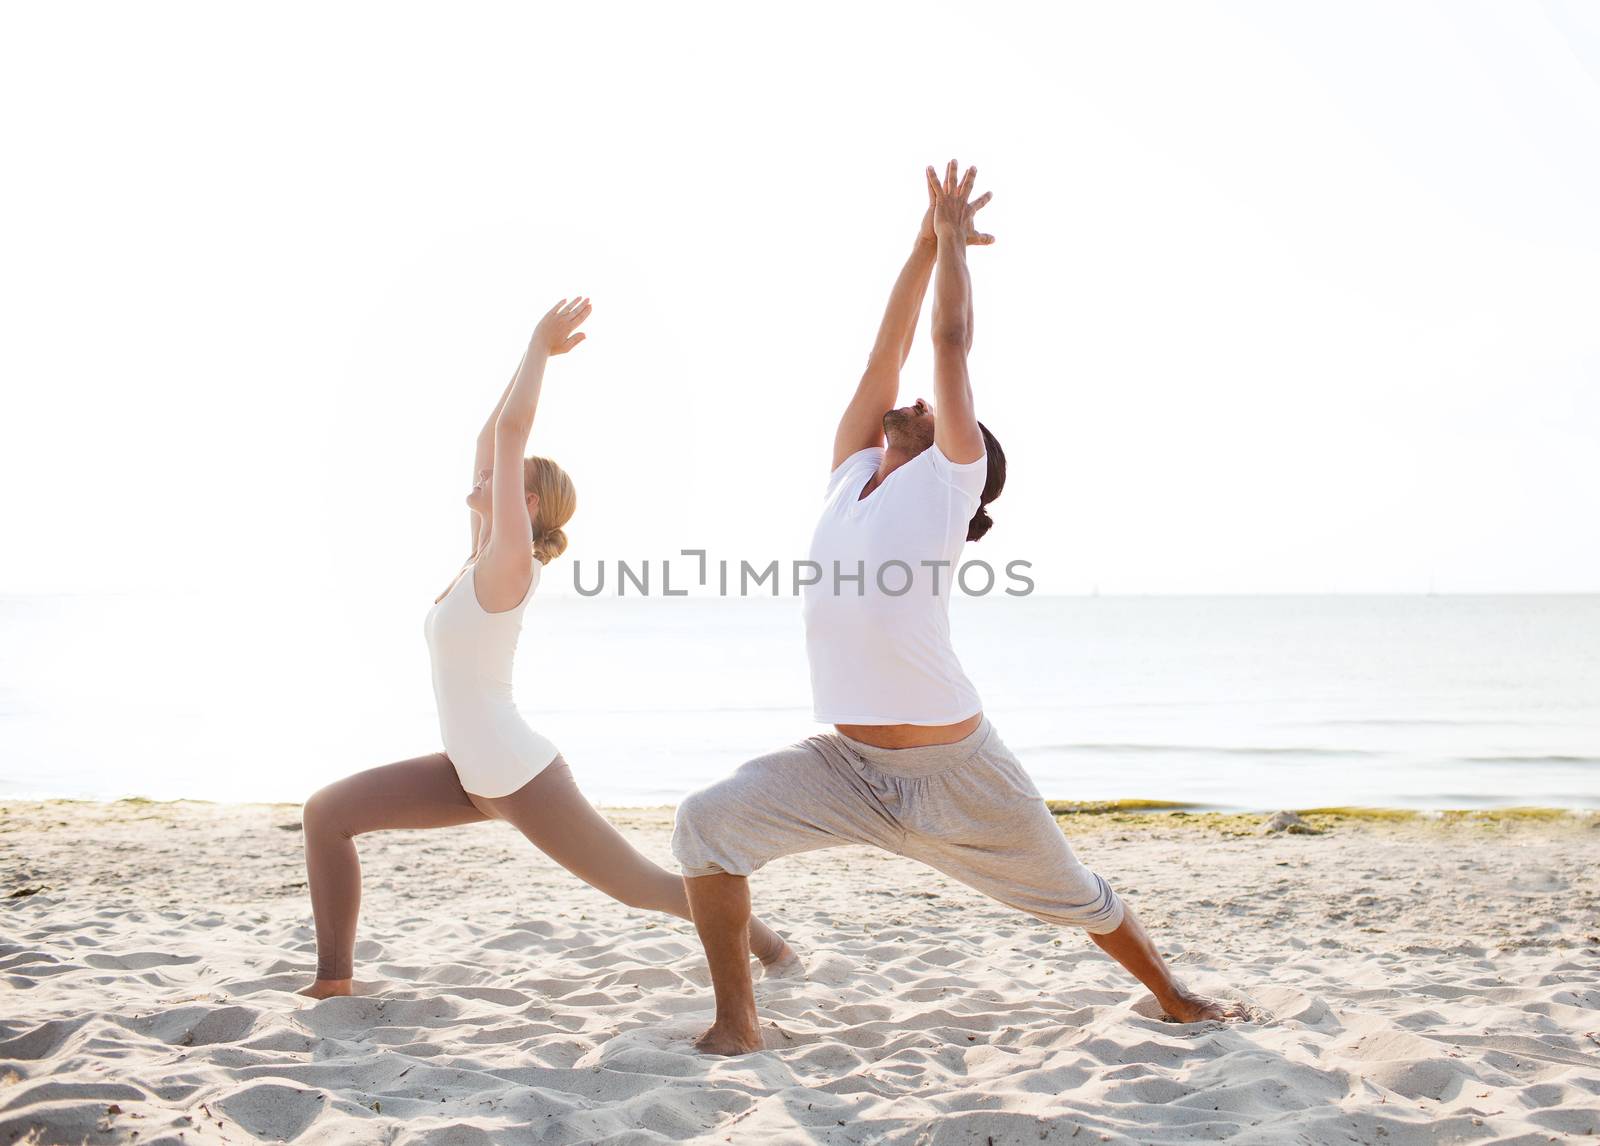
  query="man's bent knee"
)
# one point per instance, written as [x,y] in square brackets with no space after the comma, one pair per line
[702,835]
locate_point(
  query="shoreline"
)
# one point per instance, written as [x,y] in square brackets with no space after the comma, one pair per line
[1121,810]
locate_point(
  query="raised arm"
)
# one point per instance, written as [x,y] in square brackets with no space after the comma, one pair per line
[506,564]
[862,424]
[955,428]
[483,457]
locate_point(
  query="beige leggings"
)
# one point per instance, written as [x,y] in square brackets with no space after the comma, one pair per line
[426,793]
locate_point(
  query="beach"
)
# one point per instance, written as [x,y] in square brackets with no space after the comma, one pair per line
[1208,450]
[1415,978]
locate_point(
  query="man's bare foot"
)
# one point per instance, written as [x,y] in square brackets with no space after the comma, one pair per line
[726,1040]
[784,965]
[328,988]
[1186,1007]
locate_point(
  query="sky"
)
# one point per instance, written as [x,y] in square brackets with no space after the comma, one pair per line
[1285,298]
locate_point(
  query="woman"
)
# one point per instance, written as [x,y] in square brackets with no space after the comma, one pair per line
[494,766]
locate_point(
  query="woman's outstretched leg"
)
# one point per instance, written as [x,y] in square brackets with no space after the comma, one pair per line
[419,793]
[555,816]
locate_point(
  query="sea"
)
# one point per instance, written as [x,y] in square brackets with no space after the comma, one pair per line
[1230,702]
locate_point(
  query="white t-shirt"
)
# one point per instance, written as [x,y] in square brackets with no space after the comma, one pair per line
[879,644]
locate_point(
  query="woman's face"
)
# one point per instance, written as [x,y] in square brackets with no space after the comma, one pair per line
[480,499]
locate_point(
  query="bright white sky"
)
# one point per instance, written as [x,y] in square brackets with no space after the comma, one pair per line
[1285,298]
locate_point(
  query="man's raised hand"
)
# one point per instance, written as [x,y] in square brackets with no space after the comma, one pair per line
[950,213]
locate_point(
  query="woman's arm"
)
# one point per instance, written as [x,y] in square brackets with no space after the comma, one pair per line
[506,564]
[483,458]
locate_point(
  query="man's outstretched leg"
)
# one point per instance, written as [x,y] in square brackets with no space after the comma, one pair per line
[1130,945]
[1045,879]
[720,905]
[995,834]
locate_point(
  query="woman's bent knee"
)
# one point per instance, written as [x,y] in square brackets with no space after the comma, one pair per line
[322,813]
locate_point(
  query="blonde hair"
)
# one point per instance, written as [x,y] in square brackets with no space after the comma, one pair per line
[558,500]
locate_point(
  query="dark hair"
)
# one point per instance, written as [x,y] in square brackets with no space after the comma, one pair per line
[992,486]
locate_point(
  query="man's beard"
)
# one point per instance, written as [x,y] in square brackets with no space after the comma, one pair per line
[901,429]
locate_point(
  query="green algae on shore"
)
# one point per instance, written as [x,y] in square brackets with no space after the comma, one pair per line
[1106,807]
[1174,814]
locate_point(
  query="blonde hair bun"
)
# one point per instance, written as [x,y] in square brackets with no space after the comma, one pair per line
[550,544]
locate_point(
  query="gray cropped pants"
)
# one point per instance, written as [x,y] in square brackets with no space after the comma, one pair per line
[967,809]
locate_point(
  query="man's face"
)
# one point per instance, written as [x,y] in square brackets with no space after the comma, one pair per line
[910,427]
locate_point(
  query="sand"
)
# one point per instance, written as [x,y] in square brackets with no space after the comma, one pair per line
[1418,982]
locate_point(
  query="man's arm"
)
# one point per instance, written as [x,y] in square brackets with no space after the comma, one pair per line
[862,424]
[956,432]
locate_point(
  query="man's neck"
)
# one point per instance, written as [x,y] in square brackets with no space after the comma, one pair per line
[893,458]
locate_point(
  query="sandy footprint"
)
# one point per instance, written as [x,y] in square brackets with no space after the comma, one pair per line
[1286,1004]
[790,967]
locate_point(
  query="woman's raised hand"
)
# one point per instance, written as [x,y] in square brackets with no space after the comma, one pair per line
[557,331]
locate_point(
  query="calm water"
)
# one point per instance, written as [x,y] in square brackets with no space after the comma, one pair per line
[1230,701]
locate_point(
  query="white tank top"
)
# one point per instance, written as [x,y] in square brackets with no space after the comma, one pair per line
[879,655]
[472,651]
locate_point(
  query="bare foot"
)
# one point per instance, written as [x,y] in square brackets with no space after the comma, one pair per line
[328,988]
[728,1041]
[1185,1007]
[784,965]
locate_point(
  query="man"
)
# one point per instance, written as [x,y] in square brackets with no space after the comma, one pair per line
[914,767]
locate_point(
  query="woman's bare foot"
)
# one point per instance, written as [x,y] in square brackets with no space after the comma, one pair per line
[784,965]
[1186,1007]
[328,988]
[725,1040]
